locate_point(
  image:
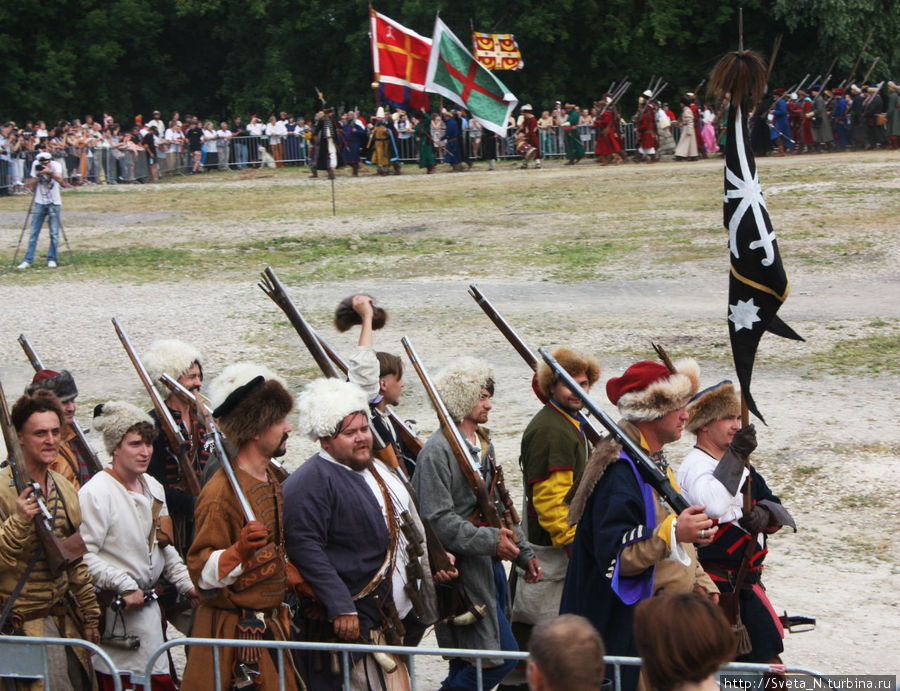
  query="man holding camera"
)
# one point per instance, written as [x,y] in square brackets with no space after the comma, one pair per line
[45,179]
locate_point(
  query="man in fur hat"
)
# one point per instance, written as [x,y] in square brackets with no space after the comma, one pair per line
[182,362]
[629,545]
[528,125]
[237,565]
[69,462]
[124,510]
[554,453]
[466,387]
[712,474]
[50,603]
[342,524]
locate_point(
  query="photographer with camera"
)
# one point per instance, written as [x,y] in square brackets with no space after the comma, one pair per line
[45,179]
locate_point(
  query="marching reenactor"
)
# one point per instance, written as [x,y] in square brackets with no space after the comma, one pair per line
[342,529]
[645,124]
[128,534]
[238,565]
[448,502]
[713,474]
[45,585]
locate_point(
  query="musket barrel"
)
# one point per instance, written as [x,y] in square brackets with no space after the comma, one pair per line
[657,478]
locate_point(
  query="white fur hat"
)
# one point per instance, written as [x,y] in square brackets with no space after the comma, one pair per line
[169,356]
[114,419]
[459,385]
[324,403]
[234,376]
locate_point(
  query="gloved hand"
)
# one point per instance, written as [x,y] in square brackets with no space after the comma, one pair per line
[757,520]
[743,443]
[253,536]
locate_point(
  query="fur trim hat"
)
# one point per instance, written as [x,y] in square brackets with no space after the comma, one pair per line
[459,385]
[712,404]
[526,108]
[234,376]
[854,88]
[60,383]
[170,356]
[252,407]
[325,403]
[648,390]
[114,419]
[346,317]
[572,362]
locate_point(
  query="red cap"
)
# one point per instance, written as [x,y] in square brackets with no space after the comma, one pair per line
[636,378]
[43,375]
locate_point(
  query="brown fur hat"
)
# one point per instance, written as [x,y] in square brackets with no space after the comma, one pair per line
[346,317]
[260,407]
[712,404]
[648,390]
[572,362]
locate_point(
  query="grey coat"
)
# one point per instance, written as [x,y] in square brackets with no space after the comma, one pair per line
[446,501]
[893,114]
[821,132]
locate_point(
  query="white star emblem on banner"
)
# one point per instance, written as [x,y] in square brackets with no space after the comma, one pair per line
[749,191]
[744,314]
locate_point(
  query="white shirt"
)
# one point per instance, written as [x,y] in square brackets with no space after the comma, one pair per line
[256,128]
[695,478]
[116,527]
[174,137]
[46,190]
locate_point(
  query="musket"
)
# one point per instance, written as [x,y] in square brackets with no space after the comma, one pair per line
[657,478]
[272,287]
[698,87]
[82,446]
[486,510]
[590,429]
[776,45]
[56,554]
[859,57]
[869,97]
[177,443]
[412,443]
[866,78]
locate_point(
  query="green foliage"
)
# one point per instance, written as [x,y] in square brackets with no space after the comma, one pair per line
[217,58]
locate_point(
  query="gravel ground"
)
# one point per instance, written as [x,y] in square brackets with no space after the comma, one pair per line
[831,448]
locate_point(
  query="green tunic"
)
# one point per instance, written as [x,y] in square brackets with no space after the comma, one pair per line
[426,147]
[574,147]
[893,114]
[550,444]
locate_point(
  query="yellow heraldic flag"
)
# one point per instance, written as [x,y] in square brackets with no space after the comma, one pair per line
[497,51]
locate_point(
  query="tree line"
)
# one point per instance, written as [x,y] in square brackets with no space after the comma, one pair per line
[217,58]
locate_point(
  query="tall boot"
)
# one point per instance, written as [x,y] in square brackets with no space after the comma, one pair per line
[492,164]
[780,148]
[537,163]
[355,167]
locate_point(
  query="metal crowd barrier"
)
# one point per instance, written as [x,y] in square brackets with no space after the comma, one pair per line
[345,649]
[104,164]
[25,657]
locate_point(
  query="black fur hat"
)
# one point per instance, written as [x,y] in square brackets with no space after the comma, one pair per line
[346,317]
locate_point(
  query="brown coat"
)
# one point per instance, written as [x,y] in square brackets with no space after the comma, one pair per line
[218,519]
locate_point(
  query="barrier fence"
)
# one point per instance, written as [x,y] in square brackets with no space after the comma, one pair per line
[124,163]
[25,657]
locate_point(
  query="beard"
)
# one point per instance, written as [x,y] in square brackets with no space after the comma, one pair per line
[282,448]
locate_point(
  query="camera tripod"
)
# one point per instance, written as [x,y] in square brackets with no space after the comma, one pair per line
[25,224]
